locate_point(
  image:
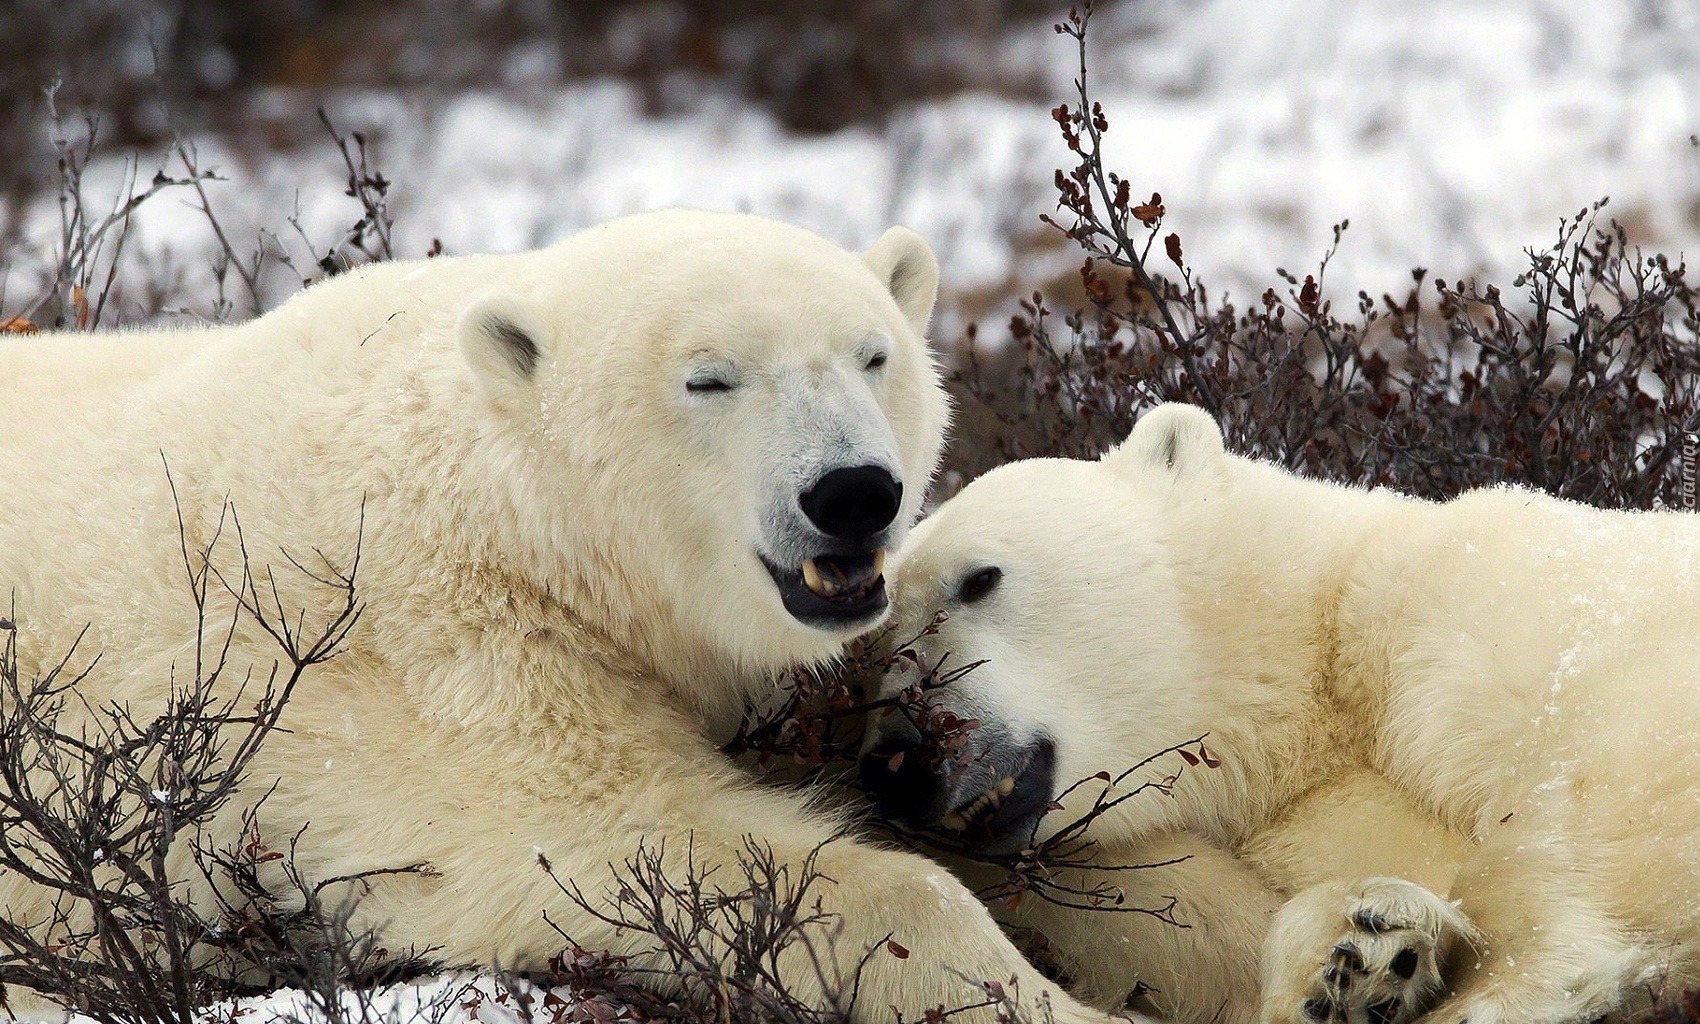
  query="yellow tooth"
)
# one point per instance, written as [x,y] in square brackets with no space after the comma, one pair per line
[879,562]
[1006,786]
[811,577]
[954,822]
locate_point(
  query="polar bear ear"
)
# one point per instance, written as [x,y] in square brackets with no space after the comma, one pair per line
[905,263]
[1174,437]
[501,343]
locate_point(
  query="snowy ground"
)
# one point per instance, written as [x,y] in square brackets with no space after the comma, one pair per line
[448,1000]
[1451,133]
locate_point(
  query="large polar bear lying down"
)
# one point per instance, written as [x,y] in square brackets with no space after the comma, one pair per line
[606,488]
[1459,743]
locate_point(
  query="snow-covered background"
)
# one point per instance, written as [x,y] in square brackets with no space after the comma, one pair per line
[1452,133]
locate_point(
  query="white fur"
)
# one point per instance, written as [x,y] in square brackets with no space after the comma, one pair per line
[1493,700]
[564,609]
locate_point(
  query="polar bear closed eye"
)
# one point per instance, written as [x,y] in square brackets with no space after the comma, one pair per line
[601,494]
[1457,746]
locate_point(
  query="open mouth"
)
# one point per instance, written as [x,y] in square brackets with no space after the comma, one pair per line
[981,808]
[1002,817]
[832,590]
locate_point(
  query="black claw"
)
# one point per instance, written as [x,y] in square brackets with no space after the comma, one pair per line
[1383,1013]
[1346,954]
[1404,963]
[1370,921]
[1315,1009]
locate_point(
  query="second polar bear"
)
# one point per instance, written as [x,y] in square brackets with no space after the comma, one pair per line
[1459,743]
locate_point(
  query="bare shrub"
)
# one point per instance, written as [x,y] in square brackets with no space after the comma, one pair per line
[718,944]
[722,946]
[293,934]
[817,720]
[1583,383]
[104,807]
[90,247]
[83,278]
[366,241]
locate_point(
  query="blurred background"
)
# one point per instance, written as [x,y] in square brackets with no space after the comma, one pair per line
[1452,133]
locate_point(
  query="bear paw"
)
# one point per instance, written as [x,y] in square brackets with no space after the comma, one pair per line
[1385,967]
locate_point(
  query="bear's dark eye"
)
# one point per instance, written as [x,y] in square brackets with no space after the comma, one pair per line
[978,584]
[706,385]
[876,360]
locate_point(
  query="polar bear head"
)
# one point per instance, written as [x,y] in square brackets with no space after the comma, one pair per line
[1063,581]
[713,428]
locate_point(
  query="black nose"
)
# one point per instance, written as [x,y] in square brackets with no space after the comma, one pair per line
[853,503]
[899,775]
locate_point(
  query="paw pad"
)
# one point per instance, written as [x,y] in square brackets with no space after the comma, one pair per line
[1386,968]
[1404,963]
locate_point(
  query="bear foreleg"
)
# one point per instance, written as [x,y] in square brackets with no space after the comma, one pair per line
[1187,934]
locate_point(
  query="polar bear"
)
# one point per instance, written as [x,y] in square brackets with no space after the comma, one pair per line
[600,494]
[1456,745]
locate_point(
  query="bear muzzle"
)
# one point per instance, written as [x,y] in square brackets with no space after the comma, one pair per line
[986,808]
[839,584]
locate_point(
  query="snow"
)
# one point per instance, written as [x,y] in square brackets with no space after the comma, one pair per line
[1452,134]
[452,999]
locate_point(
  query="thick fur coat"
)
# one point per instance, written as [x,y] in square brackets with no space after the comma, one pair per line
[578,473]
